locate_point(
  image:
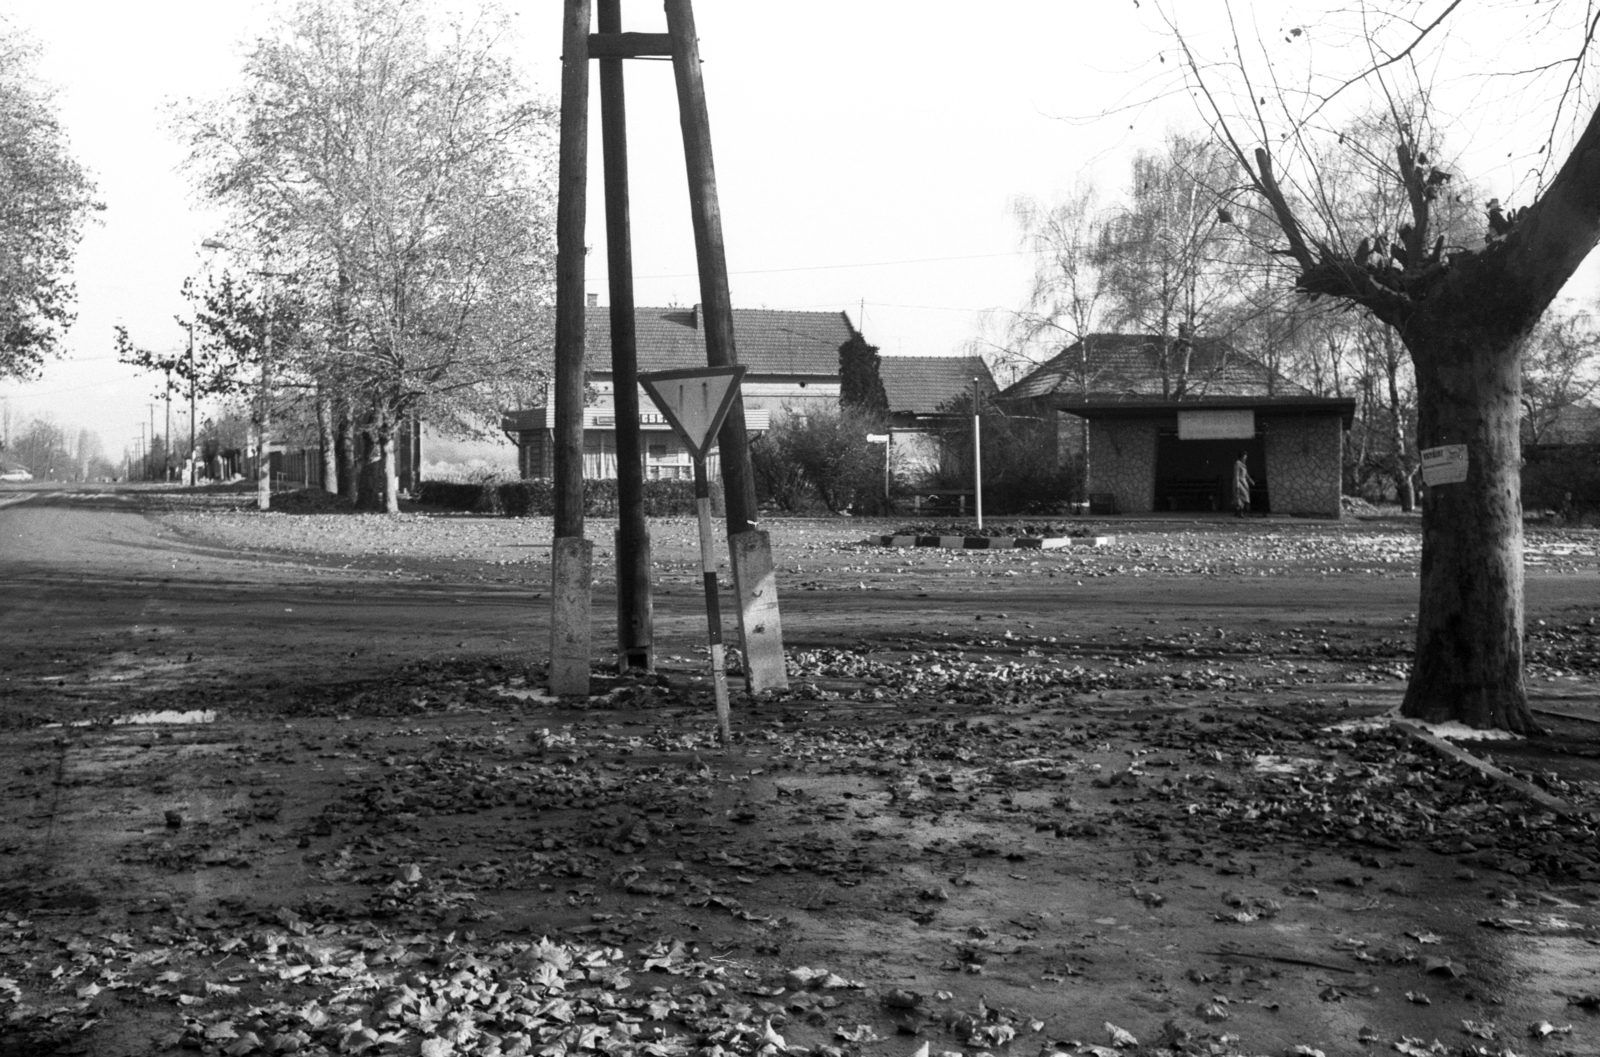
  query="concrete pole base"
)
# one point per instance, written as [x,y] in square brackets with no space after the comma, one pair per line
[571,574]
[760,626]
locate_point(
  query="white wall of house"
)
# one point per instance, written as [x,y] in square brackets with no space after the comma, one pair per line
[446,458]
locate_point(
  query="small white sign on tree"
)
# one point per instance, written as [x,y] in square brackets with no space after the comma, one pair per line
[1446,464]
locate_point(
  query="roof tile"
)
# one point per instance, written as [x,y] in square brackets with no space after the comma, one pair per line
[923,384]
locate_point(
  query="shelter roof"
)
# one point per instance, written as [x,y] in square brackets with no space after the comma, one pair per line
[1113,366]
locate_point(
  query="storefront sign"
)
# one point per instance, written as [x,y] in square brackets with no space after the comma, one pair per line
[1216,425]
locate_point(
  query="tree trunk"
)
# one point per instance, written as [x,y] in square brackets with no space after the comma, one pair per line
[326,438]
[1406,485]
[1468,664]
[391,480]
[348,447]
[1403,487]
[370,493]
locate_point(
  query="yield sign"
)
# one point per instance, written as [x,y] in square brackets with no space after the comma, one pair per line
[694,401]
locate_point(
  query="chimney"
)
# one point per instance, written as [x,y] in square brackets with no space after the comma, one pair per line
[594,300]
[697,317]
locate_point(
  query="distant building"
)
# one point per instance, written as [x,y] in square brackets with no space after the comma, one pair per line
[1161,425]
[1569,426]
[791,362]
[920,389]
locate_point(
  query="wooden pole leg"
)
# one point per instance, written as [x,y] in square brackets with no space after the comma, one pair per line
[635,607]
[571,574]
[755,583]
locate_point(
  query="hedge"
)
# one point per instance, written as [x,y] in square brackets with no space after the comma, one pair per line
[536,498]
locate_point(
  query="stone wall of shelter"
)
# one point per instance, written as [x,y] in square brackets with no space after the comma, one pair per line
[1305,465]
[1122,461]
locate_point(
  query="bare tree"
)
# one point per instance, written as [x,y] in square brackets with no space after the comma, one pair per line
[1171,255]
[1560,369]
[1464,312]
[1066,299]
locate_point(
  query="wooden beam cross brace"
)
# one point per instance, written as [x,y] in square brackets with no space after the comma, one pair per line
[630,45]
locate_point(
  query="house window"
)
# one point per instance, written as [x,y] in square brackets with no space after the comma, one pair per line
[658,451]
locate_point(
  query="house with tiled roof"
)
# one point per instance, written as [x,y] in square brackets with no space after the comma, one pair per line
[791,362]
[1569,426]
[1160,424]
[920,388]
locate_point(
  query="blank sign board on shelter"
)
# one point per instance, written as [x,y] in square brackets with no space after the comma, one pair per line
[1216,425]
[694,402]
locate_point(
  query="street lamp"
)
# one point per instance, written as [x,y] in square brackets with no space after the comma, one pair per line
[263,404]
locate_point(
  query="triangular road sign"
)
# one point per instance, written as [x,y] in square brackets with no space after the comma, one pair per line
[694,401]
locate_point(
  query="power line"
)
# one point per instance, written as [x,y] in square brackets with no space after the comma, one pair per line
[29,395]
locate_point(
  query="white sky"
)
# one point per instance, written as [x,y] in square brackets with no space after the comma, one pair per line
[866,151]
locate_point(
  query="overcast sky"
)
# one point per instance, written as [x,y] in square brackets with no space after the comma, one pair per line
[867,152]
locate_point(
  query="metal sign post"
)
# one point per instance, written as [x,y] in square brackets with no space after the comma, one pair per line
[886,440]
[977,455]
[695,403]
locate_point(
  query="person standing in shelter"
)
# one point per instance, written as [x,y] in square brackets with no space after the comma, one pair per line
[1241,485]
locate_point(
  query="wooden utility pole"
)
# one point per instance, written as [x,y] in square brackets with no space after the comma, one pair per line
[753,575]
[635,645]
[571,556]
[166,454]
[194,463]
[264,411]
[716,303]
[754,579]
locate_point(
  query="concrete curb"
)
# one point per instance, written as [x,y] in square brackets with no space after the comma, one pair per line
[1489,770]
[994,542]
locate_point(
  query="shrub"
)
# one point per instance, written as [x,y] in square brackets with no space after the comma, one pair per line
[1550,475]
[821,459]
[1022,472]
[450,495]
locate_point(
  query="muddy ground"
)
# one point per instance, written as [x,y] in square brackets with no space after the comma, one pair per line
[287,783]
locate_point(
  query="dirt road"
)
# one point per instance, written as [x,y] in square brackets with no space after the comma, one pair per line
[111,599]
[1016,801]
